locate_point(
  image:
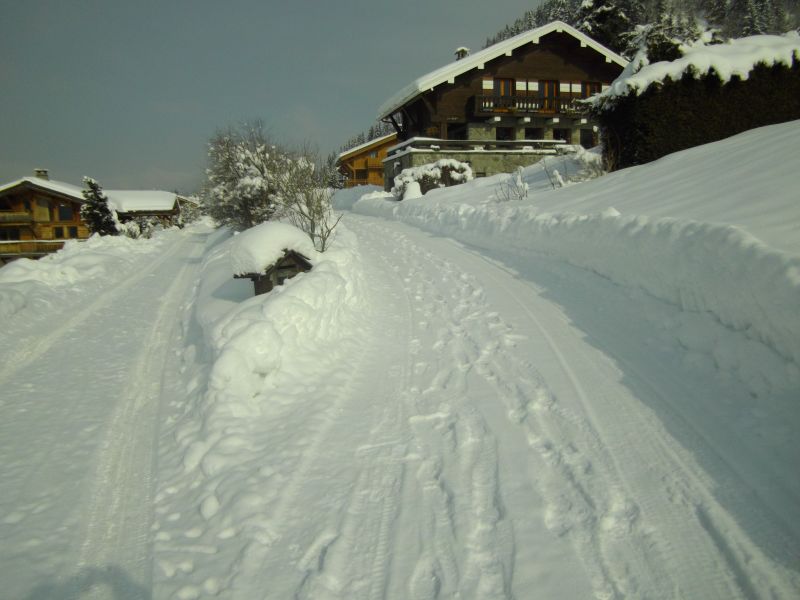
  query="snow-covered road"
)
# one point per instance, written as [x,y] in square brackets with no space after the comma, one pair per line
[503,428]
[82,389]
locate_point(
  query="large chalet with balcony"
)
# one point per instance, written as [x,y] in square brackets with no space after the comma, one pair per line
[505,106]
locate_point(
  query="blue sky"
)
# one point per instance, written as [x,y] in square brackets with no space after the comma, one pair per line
[130,92]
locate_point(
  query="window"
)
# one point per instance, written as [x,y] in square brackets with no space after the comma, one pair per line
[548,92]
[590,88]
[361,173]
[587,138]
[26,204]
[562,134]
[456,131]
[58,233]
[373,154]
[65,212]
[5,204]
[534,133]
[9,233]
[503,87]
[73,232]
[504,133]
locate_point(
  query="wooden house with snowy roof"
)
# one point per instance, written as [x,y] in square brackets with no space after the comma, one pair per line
[37,215]
[363,164]
[505,106]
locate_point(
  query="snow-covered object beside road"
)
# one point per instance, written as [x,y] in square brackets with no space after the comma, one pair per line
[256,248]
[267,358]
[734,58]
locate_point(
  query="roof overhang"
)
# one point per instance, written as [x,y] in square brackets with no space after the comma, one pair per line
[448,73]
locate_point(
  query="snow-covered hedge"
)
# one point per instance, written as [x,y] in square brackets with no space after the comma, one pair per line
[416,181]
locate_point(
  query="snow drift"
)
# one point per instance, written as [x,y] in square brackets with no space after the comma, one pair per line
[749,284]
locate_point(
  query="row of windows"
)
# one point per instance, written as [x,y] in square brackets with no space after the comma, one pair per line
[8,234]
[63,210]
[58,232]
[549,88]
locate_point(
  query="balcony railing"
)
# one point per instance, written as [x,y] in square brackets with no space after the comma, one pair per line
[527,105]
[425,144]
[15,217]
[29,247]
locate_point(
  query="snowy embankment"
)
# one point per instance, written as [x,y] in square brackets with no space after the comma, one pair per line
[709,230]
[26,283]
[261,369]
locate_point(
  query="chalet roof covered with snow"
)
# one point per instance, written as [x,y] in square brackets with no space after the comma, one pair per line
[735,58]
[141,200]
[60,187]
[374,142]
[448,73]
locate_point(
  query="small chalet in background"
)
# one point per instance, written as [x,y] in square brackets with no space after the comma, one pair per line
[503,107]
[38,214]
[363,165]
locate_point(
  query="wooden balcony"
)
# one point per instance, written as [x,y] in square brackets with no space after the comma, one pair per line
[15,217]
[424,144]
[488,106]
[29,248]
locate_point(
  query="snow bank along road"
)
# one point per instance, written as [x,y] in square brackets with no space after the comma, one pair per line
[499,434]
[80,397]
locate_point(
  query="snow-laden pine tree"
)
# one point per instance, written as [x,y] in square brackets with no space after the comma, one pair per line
[95,212]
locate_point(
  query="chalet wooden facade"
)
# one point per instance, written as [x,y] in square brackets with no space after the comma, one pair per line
[505,106]
[363,165]
[37,215]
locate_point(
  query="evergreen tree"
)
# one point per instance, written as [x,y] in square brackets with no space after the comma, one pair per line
[95,212]
[608,22]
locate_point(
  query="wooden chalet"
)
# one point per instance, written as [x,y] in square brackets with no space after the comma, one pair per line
[363,165]
[286,267]
[163,206]
[37,215]
[505,106]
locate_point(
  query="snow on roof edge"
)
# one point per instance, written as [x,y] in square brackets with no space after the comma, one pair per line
[459,67]
[365,145]
[60,187]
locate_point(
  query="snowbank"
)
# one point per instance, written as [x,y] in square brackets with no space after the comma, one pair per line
[735,58]
[254,365]
[256,248]
[749,284]
[345,198]
[97,258]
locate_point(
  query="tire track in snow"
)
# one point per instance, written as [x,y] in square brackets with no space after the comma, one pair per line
[32,349]
[117,528]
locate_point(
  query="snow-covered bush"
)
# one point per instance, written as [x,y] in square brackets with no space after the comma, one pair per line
[442,173]
[513,188]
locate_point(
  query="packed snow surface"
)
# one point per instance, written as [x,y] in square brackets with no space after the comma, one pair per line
[736,57]
[554,406]
[257,248]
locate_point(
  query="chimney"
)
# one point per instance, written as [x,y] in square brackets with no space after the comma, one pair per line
[461,52]
[41,173]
